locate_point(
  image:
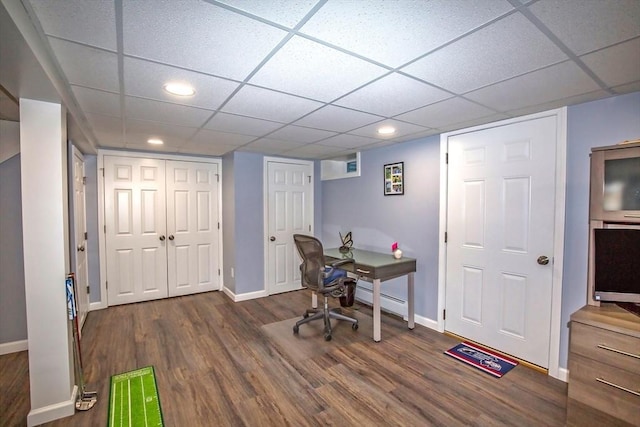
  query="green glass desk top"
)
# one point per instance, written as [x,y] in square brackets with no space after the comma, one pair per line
[374,265]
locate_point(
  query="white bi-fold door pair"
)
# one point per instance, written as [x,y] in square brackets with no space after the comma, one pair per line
[162,228]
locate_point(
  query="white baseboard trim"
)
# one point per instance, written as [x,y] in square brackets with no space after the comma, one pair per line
[426,322]
[246,296]
[53,412]
[14,347]
[97,306]
[387,302]
[563,375]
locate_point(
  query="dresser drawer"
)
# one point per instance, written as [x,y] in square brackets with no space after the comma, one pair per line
[587,385]
[619,350]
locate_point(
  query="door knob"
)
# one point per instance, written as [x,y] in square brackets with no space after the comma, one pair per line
[543,260]
[80,248]
[272,238]
[162,238]
[171,237]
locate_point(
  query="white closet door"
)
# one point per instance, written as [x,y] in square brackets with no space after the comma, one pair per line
[192,227]
[135,223]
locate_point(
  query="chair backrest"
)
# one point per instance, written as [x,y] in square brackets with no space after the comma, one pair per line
[312,267]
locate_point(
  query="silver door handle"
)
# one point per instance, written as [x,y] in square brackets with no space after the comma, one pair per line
[80,248]
[171,237]
[272,238]
[543,260]
[162,238]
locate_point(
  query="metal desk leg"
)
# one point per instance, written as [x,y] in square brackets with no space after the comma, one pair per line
[376,310]
[314,300]
[410,302]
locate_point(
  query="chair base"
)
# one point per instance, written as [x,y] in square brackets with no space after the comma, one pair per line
[326,314]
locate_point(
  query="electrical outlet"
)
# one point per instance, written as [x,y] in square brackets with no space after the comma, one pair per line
[233,273]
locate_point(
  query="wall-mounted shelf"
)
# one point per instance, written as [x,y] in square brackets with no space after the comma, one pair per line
[340,167]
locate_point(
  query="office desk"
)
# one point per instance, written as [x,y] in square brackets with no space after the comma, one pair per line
[377,267]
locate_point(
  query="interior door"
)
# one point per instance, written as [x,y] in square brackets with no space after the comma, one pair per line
[193,227]
[80,236]
[289,210]
[500,228]
[135,221]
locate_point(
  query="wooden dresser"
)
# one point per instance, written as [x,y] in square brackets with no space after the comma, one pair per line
[604,367]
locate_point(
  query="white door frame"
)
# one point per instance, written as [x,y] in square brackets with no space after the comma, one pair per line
[558,244]
[102,241]
[81,288]
[265,209]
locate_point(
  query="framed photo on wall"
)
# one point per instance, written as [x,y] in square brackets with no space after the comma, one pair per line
[394,179]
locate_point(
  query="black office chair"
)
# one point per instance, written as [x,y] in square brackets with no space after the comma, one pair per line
[324,280]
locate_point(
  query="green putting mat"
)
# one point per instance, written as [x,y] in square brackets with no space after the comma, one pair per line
[134,399]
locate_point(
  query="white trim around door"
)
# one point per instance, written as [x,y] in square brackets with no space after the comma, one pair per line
[558,262]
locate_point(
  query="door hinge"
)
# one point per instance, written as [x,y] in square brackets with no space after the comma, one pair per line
[444,314]
[218,225]
[106,284]
[84,180]
[218,272]
[86,235]
[105,229]
[309,179]
[446,236]
[309,228]
[446,158]
[102,169]
[88,290]
[217,177]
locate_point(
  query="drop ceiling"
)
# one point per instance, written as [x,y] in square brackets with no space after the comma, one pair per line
[316,79]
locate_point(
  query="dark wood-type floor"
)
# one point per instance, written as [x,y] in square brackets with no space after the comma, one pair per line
[216,366]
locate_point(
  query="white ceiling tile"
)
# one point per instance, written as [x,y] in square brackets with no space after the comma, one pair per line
[348,141]
[337,119]
[283,12]
[309,69]
[266,104]
[300,134]
[454,110]
[144,109]
[272,145]
[312,151]
[395,32]
[392,95]
[204,137]
[402,128]
[152,148]
[147,79]
[96,101]
[549,105]
[470,123]
[88,22]
[197,35]
[85,66]
[586,25]
[208,150]
[224,122]
[623,72]
[560,81]
[631,87]
[417,135]
[105,124]
[108,140]
[139,132]
[510,47]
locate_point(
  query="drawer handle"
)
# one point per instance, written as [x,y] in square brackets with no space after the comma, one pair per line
[362,271]
[619,387]
[615,350]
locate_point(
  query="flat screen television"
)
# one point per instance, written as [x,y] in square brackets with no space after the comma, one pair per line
[617,264]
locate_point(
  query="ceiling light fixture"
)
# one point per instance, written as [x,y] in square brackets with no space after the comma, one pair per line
[387,130]
[180,89]
[155,141]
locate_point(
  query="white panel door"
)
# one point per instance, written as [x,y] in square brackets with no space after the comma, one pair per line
[135,221]
[192,227]
[289,212]
[80,240]
[500,221]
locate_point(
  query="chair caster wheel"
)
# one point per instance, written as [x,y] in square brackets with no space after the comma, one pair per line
[304,316]
[327,337]
[354,326]
[295,329]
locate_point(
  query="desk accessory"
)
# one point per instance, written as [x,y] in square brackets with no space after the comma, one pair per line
[347,243]
[397,252]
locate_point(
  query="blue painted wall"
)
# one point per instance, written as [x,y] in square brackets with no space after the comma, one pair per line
[376,221]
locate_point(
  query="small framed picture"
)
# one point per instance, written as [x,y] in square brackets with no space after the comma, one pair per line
[394,179]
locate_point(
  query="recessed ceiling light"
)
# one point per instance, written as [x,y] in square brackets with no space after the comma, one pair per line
[180,89]
[155,141]
[386,130]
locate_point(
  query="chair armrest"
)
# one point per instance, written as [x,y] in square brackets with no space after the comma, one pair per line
[340,262]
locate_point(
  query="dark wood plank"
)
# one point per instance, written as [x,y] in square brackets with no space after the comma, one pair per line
[216,362]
